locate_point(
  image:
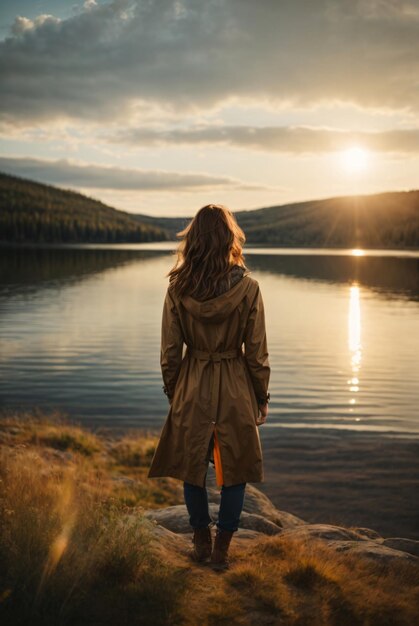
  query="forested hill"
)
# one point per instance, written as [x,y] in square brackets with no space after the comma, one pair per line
[34,212]
[384,220]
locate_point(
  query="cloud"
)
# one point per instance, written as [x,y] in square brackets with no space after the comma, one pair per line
[189,56]
[67,172]
[293,139]
[89,4]
[22,24]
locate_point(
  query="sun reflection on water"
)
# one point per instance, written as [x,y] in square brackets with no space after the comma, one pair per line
[354,341]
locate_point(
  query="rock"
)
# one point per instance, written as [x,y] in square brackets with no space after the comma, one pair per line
[251,521]
[371,549]
[367,532]
[324,531]
[258,503]
[246,534]
[260,517]
[345,540]
[167,545]
[405,545]
[176,519]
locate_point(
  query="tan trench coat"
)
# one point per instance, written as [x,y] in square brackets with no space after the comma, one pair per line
[213,384]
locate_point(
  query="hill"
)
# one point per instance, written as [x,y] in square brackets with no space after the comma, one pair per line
[384,220]
[34,212]
[87,538]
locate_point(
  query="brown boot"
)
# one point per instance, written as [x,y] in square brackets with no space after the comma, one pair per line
[219,557]
[202,541]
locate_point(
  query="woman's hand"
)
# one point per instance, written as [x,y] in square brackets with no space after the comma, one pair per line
[263,410]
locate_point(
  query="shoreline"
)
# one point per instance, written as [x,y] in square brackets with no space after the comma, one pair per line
[327,475]
[68,493]
[337,476]
[345,477]
[340,476]
[171,244]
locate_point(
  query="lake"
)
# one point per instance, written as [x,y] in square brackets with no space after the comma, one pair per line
[80,332]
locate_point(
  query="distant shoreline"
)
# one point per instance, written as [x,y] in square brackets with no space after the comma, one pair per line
[169,245]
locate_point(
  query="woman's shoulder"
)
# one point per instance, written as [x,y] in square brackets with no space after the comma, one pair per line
[252,282]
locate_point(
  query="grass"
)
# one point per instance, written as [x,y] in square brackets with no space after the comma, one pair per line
[67,554]
[294,582]
[75,548]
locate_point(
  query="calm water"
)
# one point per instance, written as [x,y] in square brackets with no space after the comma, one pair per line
[80,331]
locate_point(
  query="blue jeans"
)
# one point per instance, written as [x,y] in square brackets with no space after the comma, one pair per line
[231,505]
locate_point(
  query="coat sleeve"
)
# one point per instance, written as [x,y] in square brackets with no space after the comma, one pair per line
[172,341]
[256,349]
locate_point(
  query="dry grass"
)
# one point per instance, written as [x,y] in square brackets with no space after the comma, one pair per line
[133,451]
[121,461]
[297,582]
[69,556]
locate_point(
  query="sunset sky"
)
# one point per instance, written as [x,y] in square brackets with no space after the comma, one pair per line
[162,106]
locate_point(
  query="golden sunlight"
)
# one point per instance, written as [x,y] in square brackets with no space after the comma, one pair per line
[354,340]
[355,159]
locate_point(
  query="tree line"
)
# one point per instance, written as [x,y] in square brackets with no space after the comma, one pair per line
[33,212]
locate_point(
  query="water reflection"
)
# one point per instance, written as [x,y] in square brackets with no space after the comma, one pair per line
[30,269]
[81,328]
[354,341]
[34,268]
[392,278]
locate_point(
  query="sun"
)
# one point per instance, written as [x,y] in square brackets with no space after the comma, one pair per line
[355,159]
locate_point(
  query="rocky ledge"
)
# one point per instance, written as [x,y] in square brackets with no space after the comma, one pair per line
[260,517]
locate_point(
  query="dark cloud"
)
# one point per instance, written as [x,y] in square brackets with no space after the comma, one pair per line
[188,56]
[297,139]
[65,172]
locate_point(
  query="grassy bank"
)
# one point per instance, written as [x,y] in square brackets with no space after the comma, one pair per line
[72,551]
[66,555]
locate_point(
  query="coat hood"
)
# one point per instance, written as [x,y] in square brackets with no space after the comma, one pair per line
[230,294]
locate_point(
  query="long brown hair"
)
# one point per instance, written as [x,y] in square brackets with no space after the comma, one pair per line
[210,245]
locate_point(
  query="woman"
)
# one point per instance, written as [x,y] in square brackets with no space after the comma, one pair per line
[218,394]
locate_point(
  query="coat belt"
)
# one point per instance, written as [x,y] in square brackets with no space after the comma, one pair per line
[214,384]
[215,356]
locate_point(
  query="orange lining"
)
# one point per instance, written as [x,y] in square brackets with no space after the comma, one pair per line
[217,461]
